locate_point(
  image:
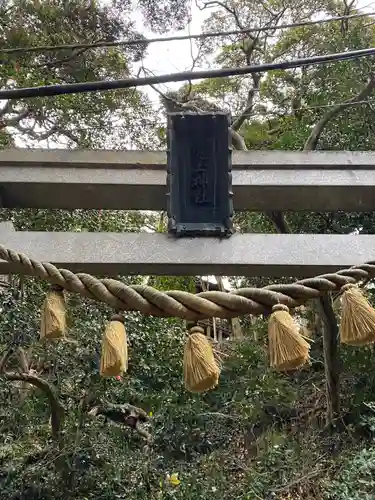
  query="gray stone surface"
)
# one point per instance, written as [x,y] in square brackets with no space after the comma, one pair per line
[262,180]
[159,254]
[6,226]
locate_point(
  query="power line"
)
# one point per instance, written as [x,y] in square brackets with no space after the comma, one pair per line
[318,106]
[146,41]
[338,104]
[334,105]
[77,88]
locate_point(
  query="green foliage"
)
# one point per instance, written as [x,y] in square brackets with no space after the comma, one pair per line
[185,283]
[189,437]
[91,119]
[163,15]
[79,220]
[259,434]
[355,480]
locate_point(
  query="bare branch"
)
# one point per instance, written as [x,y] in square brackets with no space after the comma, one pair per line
[267,9]
[166,99]
[57,410]
[249,50]
[218,414]
[194,62]
[35,135]
[312,141]
[278,220]
[237,124]
[5,357]
[123,414]
[238,141]
[12,122]
[42,136]
[8,108]
[227,8]
[68,134]
[345,23]
[64,60]
[142,432]
[297,481]
[23,360]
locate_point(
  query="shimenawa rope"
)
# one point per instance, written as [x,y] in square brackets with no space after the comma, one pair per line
[150,301]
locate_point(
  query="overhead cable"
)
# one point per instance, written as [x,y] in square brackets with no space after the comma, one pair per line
[76,88]
[146,41]
[342,104]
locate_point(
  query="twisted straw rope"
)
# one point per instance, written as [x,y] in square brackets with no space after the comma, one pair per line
[150,301]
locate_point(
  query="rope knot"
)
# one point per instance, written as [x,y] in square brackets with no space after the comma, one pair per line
[348,286]
[280,307]
[196,329]
[118,317]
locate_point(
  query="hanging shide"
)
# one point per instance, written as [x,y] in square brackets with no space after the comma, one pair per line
[53,314]
[288,350]
[114,355]
[357,325]
[201,370]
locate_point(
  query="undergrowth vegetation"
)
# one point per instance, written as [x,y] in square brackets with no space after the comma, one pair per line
[260,434]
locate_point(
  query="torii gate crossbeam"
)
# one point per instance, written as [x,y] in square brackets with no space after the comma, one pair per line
[136,180]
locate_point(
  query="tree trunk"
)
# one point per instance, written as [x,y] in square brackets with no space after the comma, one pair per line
[331,360]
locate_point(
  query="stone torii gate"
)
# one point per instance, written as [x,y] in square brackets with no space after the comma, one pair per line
[136,180]
[197,182]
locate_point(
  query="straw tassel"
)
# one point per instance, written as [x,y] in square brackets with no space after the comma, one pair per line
[53,317]
[357,325]
[201,370]
[288,349]
[114,356]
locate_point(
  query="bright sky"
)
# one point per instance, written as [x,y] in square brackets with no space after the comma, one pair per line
[171,57]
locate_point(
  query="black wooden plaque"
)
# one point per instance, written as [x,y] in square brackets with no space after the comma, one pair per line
[199,178]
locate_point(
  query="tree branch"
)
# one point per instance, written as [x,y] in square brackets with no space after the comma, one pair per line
[279,221]
[57,410]
[238,142]
[124,414]
[194,60]
[12,122]
[42,136]
[227,8]
[173,105]
[35,135]
[267,9]
[5,357]
[23,360]
[64,60]
[345,22]
[6,109]
[248,50]
[330,330]
[239,121]
[313,139]
[142,432]
[331,358]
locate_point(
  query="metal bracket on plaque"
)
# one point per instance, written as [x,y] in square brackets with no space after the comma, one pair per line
[199,178]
